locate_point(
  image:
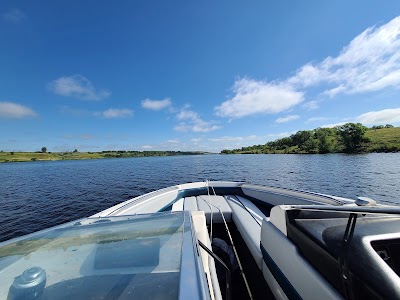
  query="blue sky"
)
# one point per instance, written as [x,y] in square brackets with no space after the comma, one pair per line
[192,75]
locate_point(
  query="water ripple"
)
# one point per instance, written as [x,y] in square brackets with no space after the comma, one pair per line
[37,195]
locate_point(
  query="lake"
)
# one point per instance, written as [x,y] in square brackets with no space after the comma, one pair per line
[37,195]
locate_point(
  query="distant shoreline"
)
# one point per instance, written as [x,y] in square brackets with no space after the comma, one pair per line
[349,138]
[6,157]
[20,157]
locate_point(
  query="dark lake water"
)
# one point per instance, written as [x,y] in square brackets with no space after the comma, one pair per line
[37,195]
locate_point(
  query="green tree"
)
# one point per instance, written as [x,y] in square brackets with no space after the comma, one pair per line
[300,138]
[325,137]
[310,146]
[324,145]
[283,143]
[351,135]
[76,150]
[44,149]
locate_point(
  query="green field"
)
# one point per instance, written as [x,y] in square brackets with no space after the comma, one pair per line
[383,140]
[50,156]
[34,156]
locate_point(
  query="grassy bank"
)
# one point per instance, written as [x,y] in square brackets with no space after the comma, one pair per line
[382,140]
[51,156]
[327,140]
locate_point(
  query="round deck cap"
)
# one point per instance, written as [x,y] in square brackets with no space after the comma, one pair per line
[30,277]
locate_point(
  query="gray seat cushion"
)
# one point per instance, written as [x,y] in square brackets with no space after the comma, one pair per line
[209,205]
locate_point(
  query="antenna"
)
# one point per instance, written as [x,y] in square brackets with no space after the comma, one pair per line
[209,205]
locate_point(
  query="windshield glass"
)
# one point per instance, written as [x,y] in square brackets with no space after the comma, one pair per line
[102,258]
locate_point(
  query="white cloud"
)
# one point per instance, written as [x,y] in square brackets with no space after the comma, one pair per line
[371,62]
[156,104]
[287,119]
[77,86]
[10,110]
[147,147]
[380,117]
[334,124]
[86,136]
[187,115]
[174,141]
[191,121]
[311,105]
[235,138]
[254,97]
[234,142]
[81,137]
[334,91]
[272,136]
[317,119]
[307,75]
[198,126]
[76,112]
[168,146]
[14,16]
[196,140]
[228,139]
[115,113]
[385,116]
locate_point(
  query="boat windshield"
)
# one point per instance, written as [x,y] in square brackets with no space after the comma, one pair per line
[96,258]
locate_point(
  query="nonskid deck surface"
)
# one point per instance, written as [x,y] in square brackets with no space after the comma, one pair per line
[217,204]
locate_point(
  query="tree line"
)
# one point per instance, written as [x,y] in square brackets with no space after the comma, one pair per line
[123,153]
[347,138]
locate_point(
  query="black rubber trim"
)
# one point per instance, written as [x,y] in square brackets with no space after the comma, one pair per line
[284,283]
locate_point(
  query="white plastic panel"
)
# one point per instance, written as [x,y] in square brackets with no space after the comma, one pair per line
[199,224]
[190,204]
[308,283]
[249,229]
[252,209]
[273,284]
[148,205]
[277,196]
[278,218]
[178,205]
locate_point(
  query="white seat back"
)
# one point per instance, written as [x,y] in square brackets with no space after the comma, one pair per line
[287,272]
